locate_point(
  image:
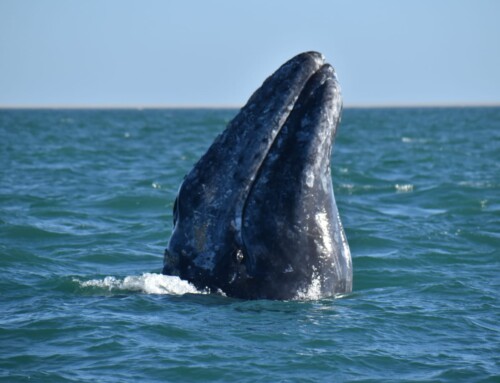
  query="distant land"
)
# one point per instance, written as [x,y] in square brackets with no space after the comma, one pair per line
[218,106]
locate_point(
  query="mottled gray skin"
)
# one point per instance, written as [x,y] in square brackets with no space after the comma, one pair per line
[256,216]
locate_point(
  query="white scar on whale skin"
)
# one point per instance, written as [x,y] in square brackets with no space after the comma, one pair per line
[312,292]
[324,226]
[310,179]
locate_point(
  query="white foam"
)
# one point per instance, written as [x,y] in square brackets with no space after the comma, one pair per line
[148,283]
[404,188]
[312,293]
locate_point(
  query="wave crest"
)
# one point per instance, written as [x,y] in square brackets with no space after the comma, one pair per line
[148,283]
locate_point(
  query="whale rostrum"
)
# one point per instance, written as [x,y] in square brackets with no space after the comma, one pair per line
[256,217]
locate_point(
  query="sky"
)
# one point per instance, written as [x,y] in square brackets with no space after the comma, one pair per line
[216,53]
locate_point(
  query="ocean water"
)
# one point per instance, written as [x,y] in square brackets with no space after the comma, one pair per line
[86,202]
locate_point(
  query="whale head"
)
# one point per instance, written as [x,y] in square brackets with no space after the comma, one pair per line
[256,217]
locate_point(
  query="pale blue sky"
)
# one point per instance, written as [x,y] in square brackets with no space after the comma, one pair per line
[194,52]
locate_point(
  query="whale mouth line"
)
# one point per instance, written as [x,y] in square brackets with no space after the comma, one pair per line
[297,110]
[240,211]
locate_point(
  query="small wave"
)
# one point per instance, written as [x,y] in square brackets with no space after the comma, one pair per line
[408,140]
[404,188]
[148,283]
[478,184]
[156,185]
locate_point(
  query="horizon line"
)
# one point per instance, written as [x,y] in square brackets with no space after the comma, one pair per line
[236,106]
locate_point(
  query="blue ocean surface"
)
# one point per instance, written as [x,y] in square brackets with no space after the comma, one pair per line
[86,201]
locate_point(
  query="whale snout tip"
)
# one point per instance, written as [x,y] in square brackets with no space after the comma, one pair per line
[317,56]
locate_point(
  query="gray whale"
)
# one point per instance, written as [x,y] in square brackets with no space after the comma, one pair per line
[256,217]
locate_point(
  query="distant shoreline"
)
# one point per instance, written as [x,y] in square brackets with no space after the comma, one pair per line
[235,107]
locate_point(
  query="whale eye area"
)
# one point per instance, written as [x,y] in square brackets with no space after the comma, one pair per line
[238,256]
